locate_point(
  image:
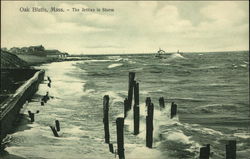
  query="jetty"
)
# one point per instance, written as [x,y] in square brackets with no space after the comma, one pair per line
[133,97]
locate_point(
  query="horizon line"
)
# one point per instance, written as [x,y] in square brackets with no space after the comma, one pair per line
[135,52]
[146,53]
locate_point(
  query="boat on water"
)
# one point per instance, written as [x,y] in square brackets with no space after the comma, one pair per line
[162,54]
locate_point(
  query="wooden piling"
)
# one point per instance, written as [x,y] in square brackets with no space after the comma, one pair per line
[161,102]
[130,88]
[57,125]
[126,107]
[46,97]
[54,131]
[111,148]
[148,101]
[49,79]
[149,125]
[136,109]
[173,110]
[231,149]
[106,118]
[208,149]
[120,137]
[31,116]
[205,152]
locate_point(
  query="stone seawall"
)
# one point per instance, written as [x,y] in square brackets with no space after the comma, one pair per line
[9,109]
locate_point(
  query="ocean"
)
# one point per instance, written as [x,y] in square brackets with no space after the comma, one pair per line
[211,91]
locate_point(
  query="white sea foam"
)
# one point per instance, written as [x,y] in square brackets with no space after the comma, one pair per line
[243,65]
[211,131]
[167,64]
[74,130]
[160,118]
[120,59]
[115,65]
[114,57]
[198,128]
[113,96]
[243,135]
[176,55]
[89,61]
[145,153]
[143,92]
[177,136]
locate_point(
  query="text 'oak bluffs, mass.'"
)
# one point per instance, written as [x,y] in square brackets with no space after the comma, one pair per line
[59,9]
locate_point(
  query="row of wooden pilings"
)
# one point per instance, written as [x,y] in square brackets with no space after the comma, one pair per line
[55,129]
[133,91]
[230,150]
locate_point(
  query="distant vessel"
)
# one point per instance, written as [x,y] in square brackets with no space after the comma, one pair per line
[162,54]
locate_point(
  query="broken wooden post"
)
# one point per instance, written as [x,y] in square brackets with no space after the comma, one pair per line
[42,103]
[120,137]
[46,97]
[126,107]
[161,102]
[106,117]
[173,110]
[205,152]
[54,131]
[111,148]
[231,149]
[208,149]
[148,101]
[130,88]
[57,125]
[136,109]
[49,79]
[149,125]
[31,116]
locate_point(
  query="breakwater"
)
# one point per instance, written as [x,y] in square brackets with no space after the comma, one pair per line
[9,109]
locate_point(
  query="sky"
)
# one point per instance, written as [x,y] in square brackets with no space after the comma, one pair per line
[133,26]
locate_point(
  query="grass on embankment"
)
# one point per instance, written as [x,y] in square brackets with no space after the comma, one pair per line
[36,60]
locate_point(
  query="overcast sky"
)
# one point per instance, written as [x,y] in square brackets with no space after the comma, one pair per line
[133,26]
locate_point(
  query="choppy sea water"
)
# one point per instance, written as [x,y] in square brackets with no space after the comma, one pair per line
[210,89]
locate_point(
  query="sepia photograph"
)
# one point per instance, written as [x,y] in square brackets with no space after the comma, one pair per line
[124,80]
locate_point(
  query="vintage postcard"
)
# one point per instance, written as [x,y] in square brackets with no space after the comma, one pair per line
[124,79]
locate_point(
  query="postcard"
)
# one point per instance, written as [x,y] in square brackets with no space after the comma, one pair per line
[124,79]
